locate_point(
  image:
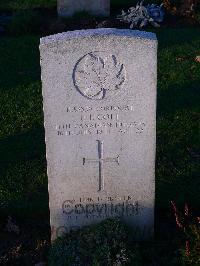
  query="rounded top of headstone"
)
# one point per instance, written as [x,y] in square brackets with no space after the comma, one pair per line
[98,32]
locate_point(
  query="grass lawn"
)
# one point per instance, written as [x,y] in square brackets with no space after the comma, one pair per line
[23,180]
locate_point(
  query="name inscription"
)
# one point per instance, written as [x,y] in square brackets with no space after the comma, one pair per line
[99,120]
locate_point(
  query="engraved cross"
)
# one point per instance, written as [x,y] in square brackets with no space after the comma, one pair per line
[101,162]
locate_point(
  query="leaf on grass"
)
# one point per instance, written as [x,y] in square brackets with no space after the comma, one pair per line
[197,58]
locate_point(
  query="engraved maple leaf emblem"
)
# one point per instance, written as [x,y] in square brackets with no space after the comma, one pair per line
[95,76]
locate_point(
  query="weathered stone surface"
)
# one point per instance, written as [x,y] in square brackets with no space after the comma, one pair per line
[68,8]
[99,91]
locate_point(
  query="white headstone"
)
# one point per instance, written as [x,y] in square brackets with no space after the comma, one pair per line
[99,93]
[68,8]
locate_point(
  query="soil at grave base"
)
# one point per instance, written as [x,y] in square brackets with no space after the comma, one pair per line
[180,21]
[29,247]
[60,25]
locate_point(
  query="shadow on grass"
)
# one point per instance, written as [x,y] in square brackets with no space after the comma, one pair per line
[23,174]
[177,98]
[26,146]
[177,164]
[177,36]
[20,60]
